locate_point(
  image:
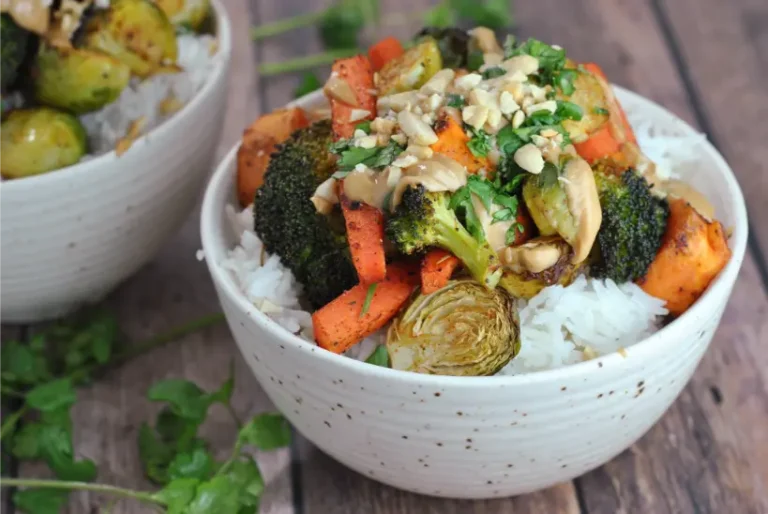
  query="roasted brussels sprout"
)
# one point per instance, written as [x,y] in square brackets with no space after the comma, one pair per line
[463,329]
[76,79]
[452,42]
[136,32]
[536,264]
[13,47]
[590,96]
[185,13]
[412,69]
[34,141]
[566,203]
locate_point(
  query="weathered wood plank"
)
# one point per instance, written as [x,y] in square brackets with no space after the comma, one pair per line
[173,289]
[724,48]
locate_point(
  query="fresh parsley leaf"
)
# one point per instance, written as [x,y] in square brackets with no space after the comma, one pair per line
[455,100]
[600,110]
[506,201]
[244,474]
[483,189]
[223,394]
[220,494]
[379,357]
[564,81]
[569,110]
[26,445]
[55,447]
[475,60]
[512,231]
[266,432]
[185,398]
[52,396]
[22,364]
[309,82]
[376,157]
[480,143]
[503,215]
[550,59]
[196,463]
[342,145]
[177,494]
[40,501]
[368,299]
[365,126]
[492,73]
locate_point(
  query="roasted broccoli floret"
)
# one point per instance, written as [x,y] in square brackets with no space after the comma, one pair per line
[634,221]
[14,47]
[424,219]
[312,245]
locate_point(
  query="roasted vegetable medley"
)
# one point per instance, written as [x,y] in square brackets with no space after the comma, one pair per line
[456,179]
[65,59]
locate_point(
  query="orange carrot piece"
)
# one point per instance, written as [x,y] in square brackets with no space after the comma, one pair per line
[365,233]
[436,270]
[693,251]
[529,227]
[384,51]
[600,144]
[357,72]
[452,142]
[342,323]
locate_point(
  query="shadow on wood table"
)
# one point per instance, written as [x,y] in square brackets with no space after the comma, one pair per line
[705,60]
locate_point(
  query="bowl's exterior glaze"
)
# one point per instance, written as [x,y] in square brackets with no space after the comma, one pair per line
[471,442]
[474,437]
[70,237]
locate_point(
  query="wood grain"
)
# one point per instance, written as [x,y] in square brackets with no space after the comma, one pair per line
[724,48]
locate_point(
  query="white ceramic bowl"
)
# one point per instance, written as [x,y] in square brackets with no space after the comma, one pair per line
[479,437]
[70,236]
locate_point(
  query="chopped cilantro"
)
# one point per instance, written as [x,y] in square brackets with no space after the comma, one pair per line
[365,126]
[600,110]
[475,59]
[480,143]
[568,111]
[455,100]
[376,157]
[492,73]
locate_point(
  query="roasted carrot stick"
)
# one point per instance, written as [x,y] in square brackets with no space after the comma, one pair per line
[349,318]
[357,73]
[365,234]
[617,114]
[436,270]
[452,142]
[384,51]
[600,144]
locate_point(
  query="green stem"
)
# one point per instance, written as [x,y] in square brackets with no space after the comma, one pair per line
[11,420]
[303,63]
[79,486]
[234,415]
[280,26]
[232,458]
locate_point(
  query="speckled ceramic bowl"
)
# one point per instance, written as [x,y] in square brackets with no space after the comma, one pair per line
[70,236]
[479,437]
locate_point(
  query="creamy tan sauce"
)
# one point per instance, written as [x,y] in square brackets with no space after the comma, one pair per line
[495,233]
[534,256]
[584,204]
[32,15]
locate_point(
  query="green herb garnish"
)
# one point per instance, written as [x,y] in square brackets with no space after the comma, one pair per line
[492,73]
[480,143]
[379,357]
[309,82]
[455,100]
[568,111]
[368,299]
[376,157]
[365,126]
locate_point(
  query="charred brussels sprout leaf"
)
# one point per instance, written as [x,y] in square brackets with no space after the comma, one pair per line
[412,69]
[136,32]
[39,140]
[452,42]
[464,329]
[13,47]
[77,80]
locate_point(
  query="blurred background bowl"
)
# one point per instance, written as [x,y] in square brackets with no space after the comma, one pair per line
[70,236]
[479,437]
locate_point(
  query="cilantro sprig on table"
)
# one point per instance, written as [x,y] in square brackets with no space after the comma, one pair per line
[38,387]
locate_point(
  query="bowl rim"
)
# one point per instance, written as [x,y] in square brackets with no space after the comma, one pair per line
[174,123]
[214,207]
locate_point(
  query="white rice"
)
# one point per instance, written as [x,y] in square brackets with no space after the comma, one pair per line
[142,99]
[559,326]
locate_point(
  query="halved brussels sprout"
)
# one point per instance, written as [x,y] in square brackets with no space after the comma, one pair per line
[34,141]
[411,70]
[463,329]
[590,96]
[536,264]
[185,13]
[566,203]
[136,32]
[76,79]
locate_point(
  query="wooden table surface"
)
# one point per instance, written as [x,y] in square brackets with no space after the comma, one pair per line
[705,60]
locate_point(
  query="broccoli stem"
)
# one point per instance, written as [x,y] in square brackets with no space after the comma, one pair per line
[286,24]
[303,63]
[477,256]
